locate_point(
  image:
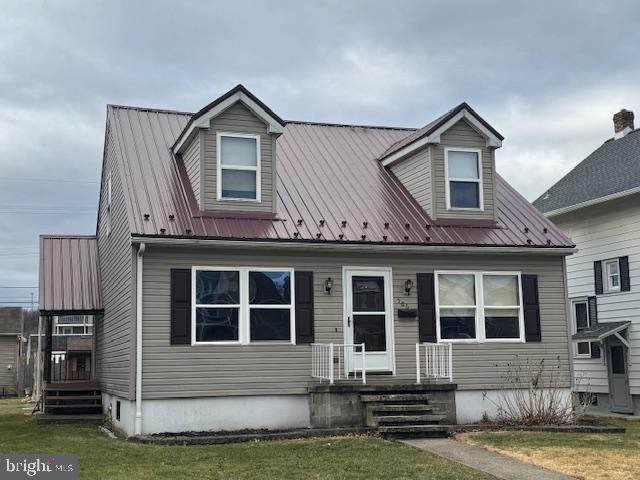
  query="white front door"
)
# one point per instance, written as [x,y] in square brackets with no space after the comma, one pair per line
[369,316]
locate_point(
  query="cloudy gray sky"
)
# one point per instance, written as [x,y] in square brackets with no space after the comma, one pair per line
[547,74]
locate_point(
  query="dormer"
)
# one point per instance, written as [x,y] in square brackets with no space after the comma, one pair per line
[449,166]
[229,153]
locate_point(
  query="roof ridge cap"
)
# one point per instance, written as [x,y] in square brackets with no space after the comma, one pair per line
[350,125]
[148,109]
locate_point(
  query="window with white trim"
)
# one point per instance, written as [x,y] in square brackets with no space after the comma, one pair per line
[463,169]
[242,305]
[238,166]
[612,275]
[479,306]
[581,321]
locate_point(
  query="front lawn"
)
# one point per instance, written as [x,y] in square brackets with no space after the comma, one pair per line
[592,457]
[326,458]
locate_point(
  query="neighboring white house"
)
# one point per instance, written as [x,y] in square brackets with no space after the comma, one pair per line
[598,205]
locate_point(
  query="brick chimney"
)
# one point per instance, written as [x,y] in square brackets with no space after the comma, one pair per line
[622,123]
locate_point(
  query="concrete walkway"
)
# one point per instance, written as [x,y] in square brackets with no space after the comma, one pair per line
[480,459]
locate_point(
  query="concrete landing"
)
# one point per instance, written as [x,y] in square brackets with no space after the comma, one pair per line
[480,459]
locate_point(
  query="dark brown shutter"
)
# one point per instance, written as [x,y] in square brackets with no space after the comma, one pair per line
[532,331]
[304,307]
[426,308]
[625,281]
[597,276]
[180,306]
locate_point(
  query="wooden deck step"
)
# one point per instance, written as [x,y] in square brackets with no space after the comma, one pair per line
[66,398]
[93,419]
[73,405]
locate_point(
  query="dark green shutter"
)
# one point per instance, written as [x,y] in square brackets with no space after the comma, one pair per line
[180,306]
[531,301]
[426,308]
[593,321]
[304,307]
[625,281]
[597,276]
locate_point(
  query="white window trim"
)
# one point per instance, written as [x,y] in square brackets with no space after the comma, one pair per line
[244,335]
[574,326]
[479,307]
[608,288]
[478,151]
[220,167]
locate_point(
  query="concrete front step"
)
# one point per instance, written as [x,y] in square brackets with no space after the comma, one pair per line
[416,431]
[409,419]
[402,408]
[395,398]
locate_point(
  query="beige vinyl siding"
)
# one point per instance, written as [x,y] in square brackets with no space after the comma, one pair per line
[463,135]
[192,164]
[114,332]
[8,356]
[238,119]
[601,232]
[414,173]
[206,370]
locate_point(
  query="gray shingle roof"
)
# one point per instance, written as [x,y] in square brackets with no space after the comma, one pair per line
[600,331]
[612,168]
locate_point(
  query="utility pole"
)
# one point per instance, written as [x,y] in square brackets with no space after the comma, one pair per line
[32,301]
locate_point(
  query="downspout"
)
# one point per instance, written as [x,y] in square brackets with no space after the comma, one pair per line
[138,423]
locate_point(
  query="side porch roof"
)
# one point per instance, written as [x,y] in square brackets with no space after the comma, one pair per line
[69,277]
[599,332]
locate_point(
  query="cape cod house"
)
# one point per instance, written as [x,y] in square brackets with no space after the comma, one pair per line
[597,204]
[251,272]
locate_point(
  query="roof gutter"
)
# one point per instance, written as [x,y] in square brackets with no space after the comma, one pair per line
[588,203]
[341,247]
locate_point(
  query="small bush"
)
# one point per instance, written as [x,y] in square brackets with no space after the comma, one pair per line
[532,393]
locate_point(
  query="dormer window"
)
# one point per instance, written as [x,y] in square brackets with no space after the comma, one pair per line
[463,168]
[238,166]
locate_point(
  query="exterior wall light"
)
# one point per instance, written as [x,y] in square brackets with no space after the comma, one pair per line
[328,285]
[408,285]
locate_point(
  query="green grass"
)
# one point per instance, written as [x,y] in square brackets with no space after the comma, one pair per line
[325,458]
[589,456]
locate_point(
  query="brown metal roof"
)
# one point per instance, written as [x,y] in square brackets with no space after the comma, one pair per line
[330,187]
[69,280]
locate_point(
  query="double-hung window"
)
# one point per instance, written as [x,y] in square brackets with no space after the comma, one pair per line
[242,305]
[479,306]
[580,310]
[463,169]
[238,161]
[612,275]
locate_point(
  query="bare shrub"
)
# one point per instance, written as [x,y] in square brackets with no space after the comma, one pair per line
[534,393]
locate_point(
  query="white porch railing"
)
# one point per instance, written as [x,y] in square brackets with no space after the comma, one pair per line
[336,361]
[434,361]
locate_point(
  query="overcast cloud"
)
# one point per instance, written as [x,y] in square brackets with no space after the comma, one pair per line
[548,75]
